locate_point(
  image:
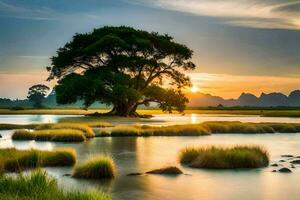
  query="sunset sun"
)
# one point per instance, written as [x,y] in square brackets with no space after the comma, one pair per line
[137,94]
[194,89]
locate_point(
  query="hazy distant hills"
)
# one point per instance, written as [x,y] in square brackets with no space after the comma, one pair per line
[274,99]
[247,99]
[50,101]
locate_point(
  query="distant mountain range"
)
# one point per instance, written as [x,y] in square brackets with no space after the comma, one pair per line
[274,99]
[50,101]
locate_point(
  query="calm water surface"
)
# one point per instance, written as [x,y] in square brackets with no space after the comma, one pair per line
[143,154]
[161,119]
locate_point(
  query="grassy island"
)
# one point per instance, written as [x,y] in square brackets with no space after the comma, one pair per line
[39,185]
[99,167]
[55,135]
[202,129]
[13,160]
[215,157]
[81,123]
[88,131]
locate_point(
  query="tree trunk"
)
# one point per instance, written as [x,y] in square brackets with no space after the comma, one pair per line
[124,110]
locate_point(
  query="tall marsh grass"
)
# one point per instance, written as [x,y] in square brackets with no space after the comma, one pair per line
[96,168]
[88,131]
[55,135]
[205,128]
[176,130]
[17,126]
[39,186]
[217,157]
[237,127]
[13,160]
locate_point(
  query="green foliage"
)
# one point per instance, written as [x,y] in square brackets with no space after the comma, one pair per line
[96,168]
[215,157]
[37,94]
[123,67]
[55,135]
[39,186]
[13,160]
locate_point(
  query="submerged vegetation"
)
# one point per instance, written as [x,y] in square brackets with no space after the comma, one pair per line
[13,160]
[215,157]
[96,168]
[39,185]
[55,135]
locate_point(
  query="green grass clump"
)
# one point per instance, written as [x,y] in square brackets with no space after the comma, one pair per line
[88,131]
[17,126]
[237,127]
[201,129]
[125,131]
[55,135]
[13,160]
[22,135]
[98,124]
[96,168]
[284,127]
[39,186]
[175,130]
[214,157]
[180,130]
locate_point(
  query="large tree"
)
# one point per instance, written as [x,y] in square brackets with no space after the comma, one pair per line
[37,94]
[123,67]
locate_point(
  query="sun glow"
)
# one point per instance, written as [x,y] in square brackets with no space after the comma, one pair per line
[194,89]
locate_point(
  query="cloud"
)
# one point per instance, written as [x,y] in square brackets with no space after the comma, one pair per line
[34,13]
[32,57]
[268,14]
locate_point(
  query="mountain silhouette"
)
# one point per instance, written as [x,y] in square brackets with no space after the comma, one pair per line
[247,99]
[274,99]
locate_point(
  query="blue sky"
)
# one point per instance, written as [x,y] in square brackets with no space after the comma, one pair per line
[233,38]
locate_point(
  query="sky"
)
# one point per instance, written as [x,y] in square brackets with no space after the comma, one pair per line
[239,45]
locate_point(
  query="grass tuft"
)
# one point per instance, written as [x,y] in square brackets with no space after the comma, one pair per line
[17,126]
[175,130]
[13,160]
[96,168]
[38,185]
[55,135]
[22,135]
[215,157]
[120,131]
[88,131]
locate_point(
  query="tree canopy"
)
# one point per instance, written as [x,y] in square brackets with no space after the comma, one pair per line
[37,94]
[123,67]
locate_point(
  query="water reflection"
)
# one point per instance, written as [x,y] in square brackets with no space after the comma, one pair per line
[27,119]
[143,154]
[161,119]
